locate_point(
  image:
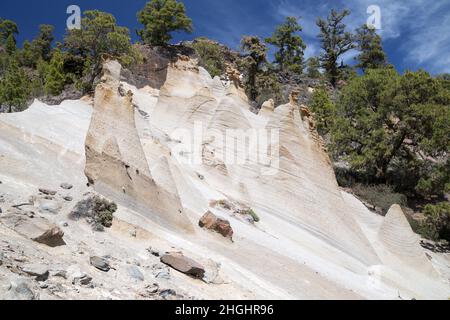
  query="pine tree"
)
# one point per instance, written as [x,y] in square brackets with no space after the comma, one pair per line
[372,55]
[14,87]
[324,110]
[313,65]
[7,28]
[335,42]
[54,74]
[291,47]
[99,35]
[254,57]
[160,18]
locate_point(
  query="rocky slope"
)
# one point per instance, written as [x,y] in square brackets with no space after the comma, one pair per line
[275,226]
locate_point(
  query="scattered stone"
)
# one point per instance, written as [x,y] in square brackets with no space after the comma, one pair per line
[154,252]
[135,273]
[167,293]
[43,285]
[133,233]
[22,205]
[20,290]
[152,288]
[66,186]
[1,210]
[211,222]
[78,277]
[68,198]
[149,291]
[2,257]
[59,274]
[47,192]
[39,271]
[82,280]
[100,263]
[184,264]
[49,206]
[163,275]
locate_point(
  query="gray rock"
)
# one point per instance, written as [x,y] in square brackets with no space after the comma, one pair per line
[2,258]
[38,229]
[135,273]
[163,275]
[83,280]
[68,198]
[49,206]
[184,264]
[39,271]
[153,252]
[20,290]
[78,277]
[149,291]
[59,273]
[47,192]
[66,186]
[100,264]
[43,285]
[167,293]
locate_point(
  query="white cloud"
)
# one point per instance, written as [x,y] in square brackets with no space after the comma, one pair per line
[421,27]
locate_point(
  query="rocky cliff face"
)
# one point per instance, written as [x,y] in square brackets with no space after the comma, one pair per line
[161,149]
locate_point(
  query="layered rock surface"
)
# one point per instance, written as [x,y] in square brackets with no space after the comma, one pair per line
[312,240]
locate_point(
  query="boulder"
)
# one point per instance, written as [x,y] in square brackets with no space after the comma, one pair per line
[66,186]
[52,237]
[19,290]
[49,206]
[78,277]
[100,264]
[211,222]
[184,264]
[135,273]
[82,280]
[68,198]
[47,192]
[37,229]
[39,271]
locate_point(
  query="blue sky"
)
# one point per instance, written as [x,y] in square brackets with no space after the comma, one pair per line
[416,33]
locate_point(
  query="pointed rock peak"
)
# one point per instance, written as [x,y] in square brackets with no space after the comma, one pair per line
[398,237]
[111,71]
[163,176]
[397,216]
[293,97]
[268,106]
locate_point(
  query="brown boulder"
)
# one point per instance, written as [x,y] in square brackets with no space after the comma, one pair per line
[53,237]
[184,264]
[211,222]
[37,229]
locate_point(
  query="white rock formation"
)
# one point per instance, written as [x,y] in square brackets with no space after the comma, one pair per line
[313,241]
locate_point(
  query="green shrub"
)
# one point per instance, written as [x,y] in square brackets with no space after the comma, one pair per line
[251,213]
[210,55]
[98,212]
[436,225]
[381,196]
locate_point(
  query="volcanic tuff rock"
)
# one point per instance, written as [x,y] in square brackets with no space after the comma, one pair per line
[128,144]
